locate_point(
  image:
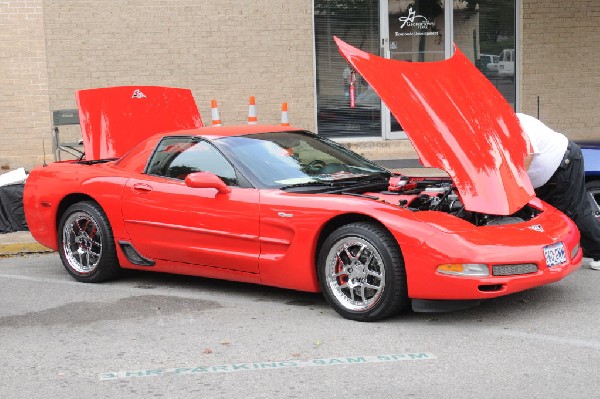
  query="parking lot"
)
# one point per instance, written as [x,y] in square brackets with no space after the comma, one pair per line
[157,335]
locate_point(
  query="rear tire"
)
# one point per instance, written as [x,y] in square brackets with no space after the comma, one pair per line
[361,272]
[86,244]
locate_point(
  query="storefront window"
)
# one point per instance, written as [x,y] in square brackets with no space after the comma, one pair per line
[412,31]
[485,31]
[417,30]
[346,105]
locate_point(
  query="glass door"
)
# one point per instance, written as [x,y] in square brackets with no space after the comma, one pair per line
[413,31]
[407,30]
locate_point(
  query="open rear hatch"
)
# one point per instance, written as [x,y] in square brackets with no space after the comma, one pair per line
[115,119]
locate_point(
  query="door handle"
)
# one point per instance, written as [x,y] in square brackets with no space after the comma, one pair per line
[141,188]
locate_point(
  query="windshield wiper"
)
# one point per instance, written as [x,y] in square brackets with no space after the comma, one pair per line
[361,195]
[365,179]
[307,184]
[337,183]
[343,181]
[362,177]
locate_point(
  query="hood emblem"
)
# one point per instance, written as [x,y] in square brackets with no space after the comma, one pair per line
[537,227]
[138,94]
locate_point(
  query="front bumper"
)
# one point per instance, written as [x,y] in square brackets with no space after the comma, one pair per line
[491,246]
[439,286]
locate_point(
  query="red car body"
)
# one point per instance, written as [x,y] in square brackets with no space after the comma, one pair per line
[273,236]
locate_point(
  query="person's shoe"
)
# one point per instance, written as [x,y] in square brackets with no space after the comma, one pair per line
[595,264]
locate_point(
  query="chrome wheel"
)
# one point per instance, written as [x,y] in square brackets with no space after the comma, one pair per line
[86,243]
[355,273]
[361,272]
[82,242]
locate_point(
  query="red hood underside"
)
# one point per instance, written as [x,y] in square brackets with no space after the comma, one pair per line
[115,119]
[457,122]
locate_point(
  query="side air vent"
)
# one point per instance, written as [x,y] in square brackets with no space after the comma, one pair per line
[133,255]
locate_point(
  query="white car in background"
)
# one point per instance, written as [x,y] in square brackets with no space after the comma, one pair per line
[490,61]
[506,63]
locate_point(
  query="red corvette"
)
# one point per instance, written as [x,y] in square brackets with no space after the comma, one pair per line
[281,206]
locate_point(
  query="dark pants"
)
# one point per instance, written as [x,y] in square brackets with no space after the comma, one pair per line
[566,191]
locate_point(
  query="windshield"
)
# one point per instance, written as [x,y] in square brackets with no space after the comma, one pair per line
[283,159]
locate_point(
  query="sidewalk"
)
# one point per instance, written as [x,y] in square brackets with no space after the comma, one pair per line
[19,242]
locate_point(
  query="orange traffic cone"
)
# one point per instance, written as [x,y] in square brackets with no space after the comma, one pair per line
[252,119]
[214,113]
[285,120]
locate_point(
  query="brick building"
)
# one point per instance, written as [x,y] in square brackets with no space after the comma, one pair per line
[282,50]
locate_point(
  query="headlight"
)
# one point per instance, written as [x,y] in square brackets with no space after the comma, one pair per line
[464,269]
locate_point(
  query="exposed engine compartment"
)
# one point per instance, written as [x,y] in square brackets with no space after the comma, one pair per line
[415,194]
[439,194]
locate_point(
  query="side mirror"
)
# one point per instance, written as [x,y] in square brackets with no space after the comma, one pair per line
[206,180]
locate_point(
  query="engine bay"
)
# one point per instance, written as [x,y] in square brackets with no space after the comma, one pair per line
[438,194]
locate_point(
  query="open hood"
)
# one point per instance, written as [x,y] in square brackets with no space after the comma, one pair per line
[457,122]
[115,119]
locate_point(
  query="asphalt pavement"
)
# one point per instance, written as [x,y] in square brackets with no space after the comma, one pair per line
[153,335]
[158,335]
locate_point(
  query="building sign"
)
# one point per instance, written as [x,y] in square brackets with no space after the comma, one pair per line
[416,25]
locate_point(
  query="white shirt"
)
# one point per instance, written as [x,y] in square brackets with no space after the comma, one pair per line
[548,149]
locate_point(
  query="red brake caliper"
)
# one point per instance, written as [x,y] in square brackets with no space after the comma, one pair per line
[342,279]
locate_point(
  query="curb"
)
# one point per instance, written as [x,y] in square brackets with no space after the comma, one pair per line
[22,248]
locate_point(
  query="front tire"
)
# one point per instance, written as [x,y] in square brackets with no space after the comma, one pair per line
[361,272]
[86,244]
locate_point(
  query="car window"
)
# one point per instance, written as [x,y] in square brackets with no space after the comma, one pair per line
[176,157]
[282,158]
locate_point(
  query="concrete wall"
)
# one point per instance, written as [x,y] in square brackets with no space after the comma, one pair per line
[560,49]
[24,107]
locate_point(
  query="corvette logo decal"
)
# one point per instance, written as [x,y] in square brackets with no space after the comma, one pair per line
[537,227]
[138,94]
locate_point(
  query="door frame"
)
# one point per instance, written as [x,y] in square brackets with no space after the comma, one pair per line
[384,33]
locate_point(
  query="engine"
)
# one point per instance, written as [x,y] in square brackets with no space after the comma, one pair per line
[438,194]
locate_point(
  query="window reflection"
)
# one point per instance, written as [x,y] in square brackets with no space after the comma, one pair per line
[357,23]
[485,31]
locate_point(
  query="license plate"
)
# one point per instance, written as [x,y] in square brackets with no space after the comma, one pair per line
[555,254]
